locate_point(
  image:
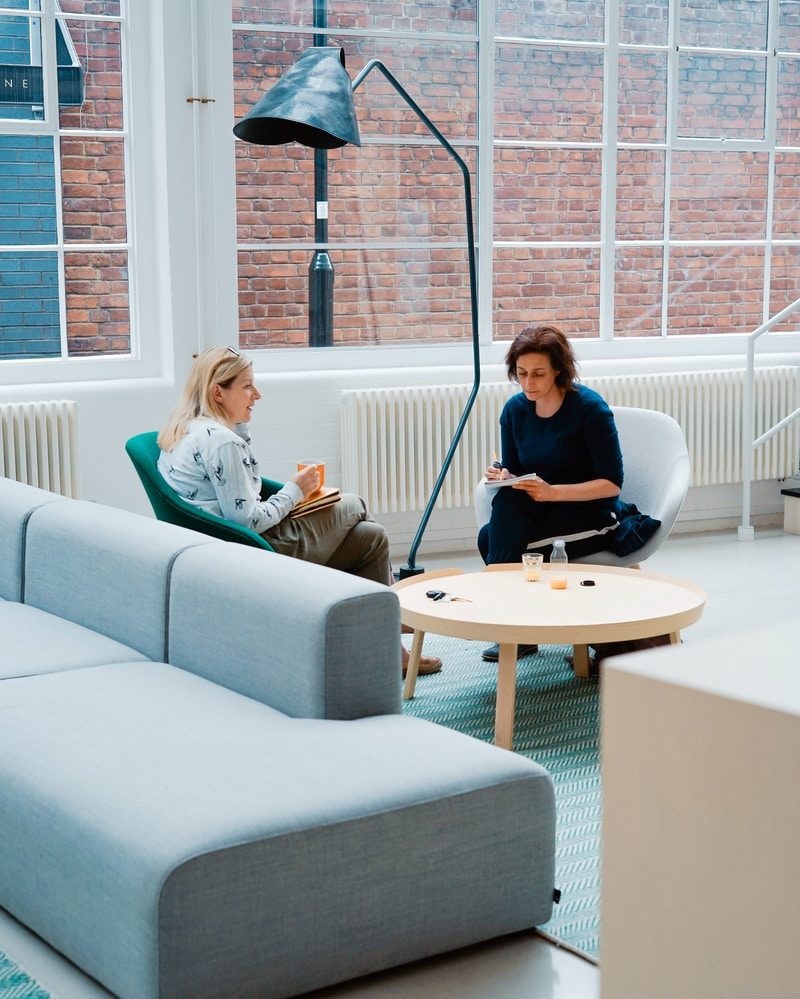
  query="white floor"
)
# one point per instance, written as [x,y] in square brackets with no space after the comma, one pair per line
[748,585]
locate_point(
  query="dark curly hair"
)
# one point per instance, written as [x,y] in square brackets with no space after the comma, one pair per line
[549,340]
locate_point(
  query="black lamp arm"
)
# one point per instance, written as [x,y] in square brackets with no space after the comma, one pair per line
[411,568]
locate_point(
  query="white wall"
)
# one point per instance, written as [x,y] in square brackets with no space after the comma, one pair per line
[299,417]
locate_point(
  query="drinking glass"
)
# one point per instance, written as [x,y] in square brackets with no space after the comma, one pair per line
[532,566]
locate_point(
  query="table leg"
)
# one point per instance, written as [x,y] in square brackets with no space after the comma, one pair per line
[580,660]
[413,665]
[675,638]
[506,696]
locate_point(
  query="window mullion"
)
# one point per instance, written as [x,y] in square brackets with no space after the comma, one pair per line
[49,68]
[51,121]
[672,131]
[485,180]
[770,134]
[608,175]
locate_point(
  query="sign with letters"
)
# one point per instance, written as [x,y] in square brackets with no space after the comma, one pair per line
[23,85]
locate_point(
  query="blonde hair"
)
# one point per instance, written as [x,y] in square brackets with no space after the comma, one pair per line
[215,366]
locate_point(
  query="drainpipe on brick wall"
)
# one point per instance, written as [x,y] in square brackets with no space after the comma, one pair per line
[320,271]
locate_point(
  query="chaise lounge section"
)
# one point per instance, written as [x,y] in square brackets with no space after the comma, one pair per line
[206,784]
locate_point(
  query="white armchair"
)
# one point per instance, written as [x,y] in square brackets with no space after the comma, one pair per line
[657,474]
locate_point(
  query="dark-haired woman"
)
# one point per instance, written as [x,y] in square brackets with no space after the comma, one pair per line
[565,433]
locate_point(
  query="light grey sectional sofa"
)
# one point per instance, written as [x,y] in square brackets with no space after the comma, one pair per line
[206,785]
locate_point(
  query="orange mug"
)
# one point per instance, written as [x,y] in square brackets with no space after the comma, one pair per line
[320,467]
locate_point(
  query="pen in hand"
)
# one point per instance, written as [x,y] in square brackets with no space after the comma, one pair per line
[495,462]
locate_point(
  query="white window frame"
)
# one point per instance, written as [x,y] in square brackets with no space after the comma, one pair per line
[182,223]
[605,347]
[162,181]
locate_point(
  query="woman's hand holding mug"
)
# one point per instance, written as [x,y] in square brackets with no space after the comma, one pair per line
[308,478]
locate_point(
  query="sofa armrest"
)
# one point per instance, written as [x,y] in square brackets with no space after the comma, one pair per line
[310,641]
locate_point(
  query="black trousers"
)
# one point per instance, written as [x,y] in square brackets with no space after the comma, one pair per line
[519,524]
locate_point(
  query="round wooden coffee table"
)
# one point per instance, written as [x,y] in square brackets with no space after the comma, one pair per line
[501,606]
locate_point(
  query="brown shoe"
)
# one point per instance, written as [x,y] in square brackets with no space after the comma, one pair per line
[427,665]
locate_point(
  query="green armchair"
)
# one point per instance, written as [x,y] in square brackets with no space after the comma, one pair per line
[168,506]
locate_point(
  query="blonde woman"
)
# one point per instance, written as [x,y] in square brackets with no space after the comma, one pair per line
[207,459]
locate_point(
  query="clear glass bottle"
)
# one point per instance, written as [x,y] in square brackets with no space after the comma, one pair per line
[558,564]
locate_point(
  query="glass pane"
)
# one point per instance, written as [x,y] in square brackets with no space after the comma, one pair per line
[638,291]
[98,51]
[375,192]
[640,194]
[27,190]
[546,194]
[642,97]
[548,94]
[93,190]
[560,286]
[380,297]
[789,25]
[715,289]
[785,216]
[275,192]
[108,8]
[643,22]
[98,313]
[718,195]
[373,15]
[571,20]
[29,319]
[399,193]
[728,24]
[440,77]
[721,96]
[785,280]
[787,128]
[21,92]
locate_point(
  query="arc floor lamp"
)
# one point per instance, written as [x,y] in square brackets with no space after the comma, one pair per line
[313,104]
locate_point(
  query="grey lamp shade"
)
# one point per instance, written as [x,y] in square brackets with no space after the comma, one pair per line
[312,104]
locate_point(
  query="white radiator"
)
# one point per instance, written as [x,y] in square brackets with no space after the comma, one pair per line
[38,445]
[394,439]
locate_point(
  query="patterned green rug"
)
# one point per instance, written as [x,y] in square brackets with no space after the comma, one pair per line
[557,726]
[17,984]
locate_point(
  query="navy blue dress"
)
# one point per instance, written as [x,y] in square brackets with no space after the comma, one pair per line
[576,444]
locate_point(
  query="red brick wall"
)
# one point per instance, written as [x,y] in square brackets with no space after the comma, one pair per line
[381,296]
[369,15]
[541,195]
[98,320]
[93,190]
[413,192]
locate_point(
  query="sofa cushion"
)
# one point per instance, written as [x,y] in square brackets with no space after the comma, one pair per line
[311,641]
[177,839]
[105,569]
[36,642]
[17,502]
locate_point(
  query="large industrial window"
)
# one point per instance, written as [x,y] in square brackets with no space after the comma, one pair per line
[64,250]
[644,182]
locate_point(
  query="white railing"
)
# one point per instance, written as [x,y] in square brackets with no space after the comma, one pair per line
[750,445]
